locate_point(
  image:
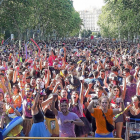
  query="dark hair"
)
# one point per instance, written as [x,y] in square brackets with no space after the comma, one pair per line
[114,69]
[95,73]
[116,86]
[16,85]
[127,70]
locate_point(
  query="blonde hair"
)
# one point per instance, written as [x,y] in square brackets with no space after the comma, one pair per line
[104,97]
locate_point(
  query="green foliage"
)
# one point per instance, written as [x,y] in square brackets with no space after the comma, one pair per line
[86,33]
[22,16]
[120,18]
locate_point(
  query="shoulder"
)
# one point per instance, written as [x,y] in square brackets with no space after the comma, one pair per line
[110,111]
[73,115]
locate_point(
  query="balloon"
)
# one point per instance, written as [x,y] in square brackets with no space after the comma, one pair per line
[2,42]
[35,44]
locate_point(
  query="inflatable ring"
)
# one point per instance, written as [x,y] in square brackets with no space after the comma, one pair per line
[16,121]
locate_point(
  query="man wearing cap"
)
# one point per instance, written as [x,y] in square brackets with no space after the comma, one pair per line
[66,120]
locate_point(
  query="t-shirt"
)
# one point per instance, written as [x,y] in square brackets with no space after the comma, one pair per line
[100,120]
[66,129]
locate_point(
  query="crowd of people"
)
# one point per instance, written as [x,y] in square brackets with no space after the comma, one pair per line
[69,88]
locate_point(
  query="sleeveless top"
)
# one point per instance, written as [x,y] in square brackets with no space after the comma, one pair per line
[49,114]
[75,109]
[130,92]
[133,116]
[39,117]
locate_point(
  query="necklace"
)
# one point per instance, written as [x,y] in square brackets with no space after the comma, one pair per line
[29,103]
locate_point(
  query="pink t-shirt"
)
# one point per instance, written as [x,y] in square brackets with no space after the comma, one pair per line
[66,129]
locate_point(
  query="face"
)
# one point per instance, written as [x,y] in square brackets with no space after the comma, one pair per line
[29,93]
[64,94]
[40,100]
[74,96]
[15,89]
[46,64]
[7,98]
[104,103]
[28,80]
[116,92]
[55,66]
[1,97]
[99,92]
[3,71]
[33,82]
[126,73]
[20,76]
[1,107]
[64,107]
[102,75]
[135,101]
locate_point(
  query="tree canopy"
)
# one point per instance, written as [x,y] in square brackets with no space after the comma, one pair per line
[120,19]
[25,17]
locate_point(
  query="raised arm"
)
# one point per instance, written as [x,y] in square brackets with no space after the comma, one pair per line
[81,93]
[53,104]
[90,107]
[124,88]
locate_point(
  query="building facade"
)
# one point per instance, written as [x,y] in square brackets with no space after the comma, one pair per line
[90,19]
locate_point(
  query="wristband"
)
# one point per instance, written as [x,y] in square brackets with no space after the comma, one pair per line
[71,121]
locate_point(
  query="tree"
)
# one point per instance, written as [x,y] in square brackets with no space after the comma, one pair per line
[120,19]
[23,17]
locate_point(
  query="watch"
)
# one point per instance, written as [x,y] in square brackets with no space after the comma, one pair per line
[71,121]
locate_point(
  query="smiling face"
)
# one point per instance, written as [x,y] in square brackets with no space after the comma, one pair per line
[64,94]
[116,91]
[29,93]
[7,98]
[74,96]
[104,103]
[64,107]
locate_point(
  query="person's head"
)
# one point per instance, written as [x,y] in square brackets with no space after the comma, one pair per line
[2,70]
[99,91]
[1,107]
[114,70]
[116,91]
[41,99]
[96,74]
[129,65]
[64,93]
[135,101]
[1,96]
[130,79]
[64,105]
[46,64]
[10,74]
[20,75]
[126,72]
[102,74]
[55,65]
[7,98]
[16,89]
[75,96]
[104,103]
[107,65]
[33,82]
[28,79]
[29,92]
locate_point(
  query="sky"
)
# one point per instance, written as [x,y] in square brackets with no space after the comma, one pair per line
[85,4]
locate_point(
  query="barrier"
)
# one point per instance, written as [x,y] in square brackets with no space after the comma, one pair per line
[60,138]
